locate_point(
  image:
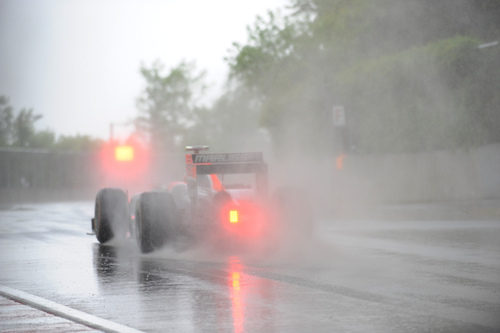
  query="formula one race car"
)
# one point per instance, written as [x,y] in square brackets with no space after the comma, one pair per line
[223,199]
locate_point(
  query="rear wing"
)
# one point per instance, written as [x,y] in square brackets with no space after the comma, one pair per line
[203,164]
[227,163]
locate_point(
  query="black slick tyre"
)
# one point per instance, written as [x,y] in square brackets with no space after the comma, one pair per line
[111,214]
[155,220]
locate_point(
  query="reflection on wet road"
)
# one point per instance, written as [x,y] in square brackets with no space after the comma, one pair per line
[356,276]
[236,294]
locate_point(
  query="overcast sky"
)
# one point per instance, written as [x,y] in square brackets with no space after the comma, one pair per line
[76,62]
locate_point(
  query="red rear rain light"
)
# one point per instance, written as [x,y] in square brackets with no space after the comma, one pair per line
[234,216]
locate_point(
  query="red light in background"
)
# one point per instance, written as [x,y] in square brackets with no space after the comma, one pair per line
[124,164]
[124,153]
[340,162]
[234,216]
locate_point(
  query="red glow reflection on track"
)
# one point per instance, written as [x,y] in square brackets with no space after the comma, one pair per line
[237,299]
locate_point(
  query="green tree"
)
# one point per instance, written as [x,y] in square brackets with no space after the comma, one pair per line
[24,127]
[45,139]
[19,130]
[278,67]
[408,73]
[77,143]
[168,102]
[6,115]
[231,123]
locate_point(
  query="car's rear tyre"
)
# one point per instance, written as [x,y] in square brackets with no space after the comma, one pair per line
[220,200]
[111,214]
[155,220]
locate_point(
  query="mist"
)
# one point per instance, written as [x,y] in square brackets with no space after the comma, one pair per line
[419,95]
[417,90]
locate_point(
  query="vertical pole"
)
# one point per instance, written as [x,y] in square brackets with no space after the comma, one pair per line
[111,131]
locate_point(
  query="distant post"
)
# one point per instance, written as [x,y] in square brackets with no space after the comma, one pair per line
[111,131]
[340,124]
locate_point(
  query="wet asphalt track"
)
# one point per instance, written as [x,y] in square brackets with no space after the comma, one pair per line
[398,276]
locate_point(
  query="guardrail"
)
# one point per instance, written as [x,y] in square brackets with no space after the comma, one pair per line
[30,168]
[44,175]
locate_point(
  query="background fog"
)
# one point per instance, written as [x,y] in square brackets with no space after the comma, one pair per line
[77,62]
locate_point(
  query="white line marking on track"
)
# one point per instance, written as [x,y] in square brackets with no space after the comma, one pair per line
[64,311]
